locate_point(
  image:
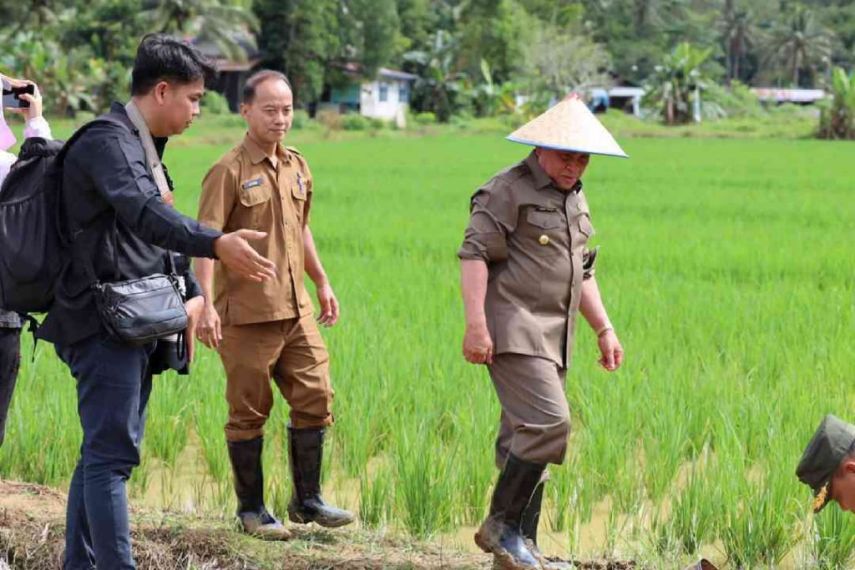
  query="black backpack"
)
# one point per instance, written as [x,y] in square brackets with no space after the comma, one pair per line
[33,243]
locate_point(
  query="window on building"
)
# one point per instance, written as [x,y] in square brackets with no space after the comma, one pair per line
[404,93]
[384,92]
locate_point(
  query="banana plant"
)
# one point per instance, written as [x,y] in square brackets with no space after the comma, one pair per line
[837,120]
[676,81]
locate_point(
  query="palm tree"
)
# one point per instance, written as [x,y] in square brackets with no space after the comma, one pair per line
[738,34]
[218,21]
[799,43]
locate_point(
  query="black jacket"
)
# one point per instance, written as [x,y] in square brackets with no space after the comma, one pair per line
[120,225]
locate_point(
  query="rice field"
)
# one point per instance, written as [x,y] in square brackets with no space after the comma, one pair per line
[727,267]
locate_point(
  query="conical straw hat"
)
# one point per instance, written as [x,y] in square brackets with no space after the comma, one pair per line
[570,126]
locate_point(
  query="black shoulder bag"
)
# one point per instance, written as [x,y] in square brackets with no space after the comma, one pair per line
[138,311]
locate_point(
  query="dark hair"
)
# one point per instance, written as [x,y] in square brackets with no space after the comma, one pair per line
[162,58]
[257,79]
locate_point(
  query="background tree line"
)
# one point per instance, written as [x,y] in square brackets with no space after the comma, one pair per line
[471,55]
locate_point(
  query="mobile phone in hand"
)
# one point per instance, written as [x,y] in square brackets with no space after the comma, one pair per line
[12,95]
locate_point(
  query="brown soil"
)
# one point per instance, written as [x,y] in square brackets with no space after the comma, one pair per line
[32,524]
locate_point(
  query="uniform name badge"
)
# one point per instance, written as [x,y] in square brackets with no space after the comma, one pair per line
[251,183]
[300,184]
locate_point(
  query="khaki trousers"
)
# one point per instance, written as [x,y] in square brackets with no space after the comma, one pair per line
[535,420]
[290,351]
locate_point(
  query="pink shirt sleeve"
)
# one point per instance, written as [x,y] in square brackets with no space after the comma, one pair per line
[37,127]
[7,159]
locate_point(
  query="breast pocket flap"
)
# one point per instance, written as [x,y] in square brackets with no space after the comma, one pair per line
[546,219]
[255,195]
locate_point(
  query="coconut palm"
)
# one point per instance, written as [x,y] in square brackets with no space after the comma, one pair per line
[799,43]
[739,34]
[218,21]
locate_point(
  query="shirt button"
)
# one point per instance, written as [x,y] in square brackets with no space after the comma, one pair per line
[543,240]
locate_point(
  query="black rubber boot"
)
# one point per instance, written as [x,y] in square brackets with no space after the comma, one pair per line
[530,521]
[501,533]
[531,514]
[249,488]
[307,505]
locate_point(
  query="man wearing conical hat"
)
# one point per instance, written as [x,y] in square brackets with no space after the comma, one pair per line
[828,464]
[526,273]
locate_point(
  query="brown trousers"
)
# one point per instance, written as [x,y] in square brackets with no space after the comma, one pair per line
[535,421]
[290,351]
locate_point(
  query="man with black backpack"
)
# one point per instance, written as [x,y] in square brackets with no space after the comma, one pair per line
[118,293]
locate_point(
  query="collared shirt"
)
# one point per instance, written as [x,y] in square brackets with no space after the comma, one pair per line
[121,224]
[35,127]
[247,189]
[533,238]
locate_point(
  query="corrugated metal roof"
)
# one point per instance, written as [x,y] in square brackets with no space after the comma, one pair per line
[395,74]
[788,95]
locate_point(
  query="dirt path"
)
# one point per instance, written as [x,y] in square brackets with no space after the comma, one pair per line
[32,523]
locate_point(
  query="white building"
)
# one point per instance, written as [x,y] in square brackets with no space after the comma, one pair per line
[386,97]
[798,96]
[626,98]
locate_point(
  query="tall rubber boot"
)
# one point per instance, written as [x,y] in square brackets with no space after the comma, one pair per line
[307,505]
[530,521]
[501,532]
[245,457]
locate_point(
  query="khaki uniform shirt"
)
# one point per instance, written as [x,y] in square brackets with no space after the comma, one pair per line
[246,190]
[533,238]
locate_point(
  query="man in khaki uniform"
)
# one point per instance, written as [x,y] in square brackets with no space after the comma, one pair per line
[267,328]
[526,273]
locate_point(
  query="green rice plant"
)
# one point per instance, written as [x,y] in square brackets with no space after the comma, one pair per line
[42,431]
[212,443]
[692,516]
[377,497]
[833,539]
[664,443]
[726,269]
[166,433]
[562,495]
[756,530]
[422,488]
[473,480]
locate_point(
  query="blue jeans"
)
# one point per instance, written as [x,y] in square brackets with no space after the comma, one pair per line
[113,386]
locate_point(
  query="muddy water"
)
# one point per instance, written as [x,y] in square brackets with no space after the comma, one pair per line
[189,487]
[586,541]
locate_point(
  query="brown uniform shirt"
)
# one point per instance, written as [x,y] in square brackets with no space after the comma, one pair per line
[533,238]
[245,190]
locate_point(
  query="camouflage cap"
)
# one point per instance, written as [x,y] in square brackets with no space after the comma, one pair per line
[830,444]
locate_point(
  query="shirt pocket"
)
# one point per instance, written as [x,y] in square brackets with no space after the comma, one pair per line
[299,195]
[586,228]
[545,219]
[545,232]
[255,208]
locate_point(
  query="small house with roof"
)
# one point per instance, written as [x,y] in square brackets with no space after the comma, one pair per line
[386,97]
